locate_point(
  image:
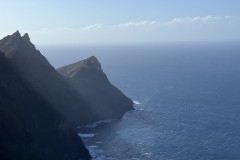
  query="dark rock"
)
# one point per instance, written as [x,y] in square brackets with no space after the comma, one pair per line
[92,83]
[29,127]
[86,98]
[45,79]
[39,107]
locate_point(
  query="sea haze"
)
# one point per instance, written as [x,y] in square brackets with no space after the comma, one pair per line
[187,99]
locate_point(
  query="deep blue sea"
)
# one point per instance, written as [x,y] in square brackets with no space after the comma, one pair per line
[187,100]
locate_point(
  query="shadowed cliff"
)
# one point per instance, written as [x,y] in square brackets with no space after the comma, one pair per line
[40,107]
[92,83]
[35,68]
[29,127]
[86,98]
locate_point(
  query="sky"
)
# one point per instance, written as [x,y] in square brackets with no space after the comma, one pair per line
[121,21]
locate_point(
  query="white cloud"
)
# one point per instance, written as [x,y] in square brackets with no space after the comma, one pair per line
[136,24]
[209,28]
[200,19]
[94,26]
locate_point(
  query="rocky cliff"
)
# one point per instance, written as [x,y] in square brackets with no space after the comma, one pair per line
[29,127]
[39,73]
[92,83]
[39,107]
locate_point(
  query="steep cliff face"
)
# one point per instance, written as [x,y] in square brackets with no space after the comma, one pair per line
[29,127]
[39,107]
[92,83]
[87,97]
[45,79]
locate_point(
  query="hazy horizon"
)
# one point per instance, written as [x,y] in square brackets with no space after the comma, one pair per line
[107,22]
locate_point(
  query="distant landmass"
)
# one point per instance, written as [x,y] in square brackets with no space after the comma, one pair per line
[39,107]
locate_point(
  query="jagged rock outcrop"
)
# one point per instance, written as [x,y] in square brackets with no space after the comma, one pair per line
[39,73]
[29,127]
[86,98]
[39,106]
[92,83]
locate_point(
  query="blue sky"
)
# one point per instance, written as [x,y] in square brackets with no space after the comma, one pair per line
[121,21]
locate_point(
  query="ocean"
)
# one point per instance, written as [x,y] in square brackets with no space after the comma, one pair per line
[187,100]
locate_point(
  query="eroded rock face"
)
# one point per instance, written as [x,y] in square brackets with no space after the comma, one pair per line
[30,127]
[87,97]
[39,107]
[92,83]
[46,81]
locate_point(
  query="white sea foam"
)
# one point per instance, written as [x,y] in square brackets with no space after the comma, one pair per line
[147,155]
[138,106]
[127,114]
[94,151]
[136,102]
[88,135]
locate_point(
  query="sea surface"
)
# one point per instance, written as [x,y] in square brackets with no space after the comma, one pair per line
[187,100]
